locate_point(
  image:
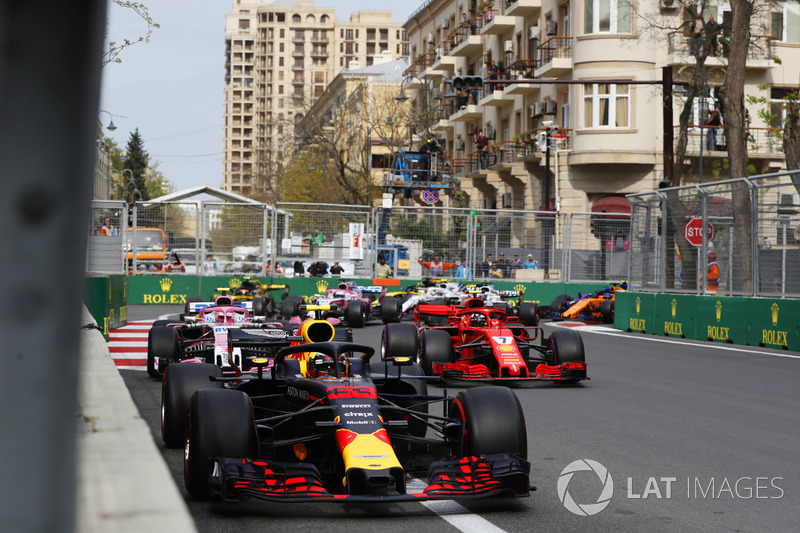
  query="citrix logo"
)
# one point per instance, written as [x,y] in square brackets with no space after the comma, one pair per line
[586,509]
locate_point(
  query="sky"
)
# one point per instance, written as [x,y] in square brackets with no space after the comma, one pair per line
[172,89]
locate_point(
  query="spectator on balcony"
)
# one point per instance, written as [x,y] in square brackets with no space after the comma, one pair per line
[468,24]
[494,74]
[695,31]
[712,28]
[713,123]
[462,98]
[482,146]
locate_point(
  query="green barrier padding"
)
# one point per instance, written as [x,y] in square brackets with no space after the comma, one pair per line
[675,316]
[772,323]
[95,295]
[117,301]
[721,319]
[175,289]
[635,311]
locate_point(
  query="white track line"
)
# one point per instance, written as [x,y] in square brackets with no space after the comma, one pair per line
[454,513]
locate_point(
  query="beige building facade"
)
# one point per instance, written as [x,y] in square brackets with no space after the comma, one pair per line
[580,54]
[280,57]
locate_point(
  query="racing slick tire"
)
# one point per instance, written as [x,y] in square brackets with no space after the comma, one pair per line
[557,305]
[355,314]
[399,340]
[391,310]
[162,343]
[566,346]
[290,306]
[435,346]
[486,431]
[607,311]
[503,306]
[162,323]
[529,313]
[180,383]
[220,424]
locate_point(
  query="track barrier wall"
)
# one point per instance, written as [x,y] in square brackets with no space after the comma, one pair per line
[765,322]
[106,297]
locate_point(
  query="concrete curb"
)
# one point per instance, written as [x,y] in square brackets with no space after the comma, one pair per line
[124,484]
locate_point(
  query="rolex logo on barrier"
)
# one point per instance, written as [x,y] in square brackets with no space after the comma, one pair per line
[674,307]
[775,310]
[234,282]
[718,308]
[322,285]
[638,304]
[166,284]
[519,287]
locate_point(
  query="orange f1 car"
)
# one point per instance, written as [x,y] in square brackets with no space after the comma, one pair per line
[598,306]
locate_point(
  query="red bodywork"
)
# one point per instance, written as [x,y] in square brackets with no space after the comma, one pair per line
[502,349]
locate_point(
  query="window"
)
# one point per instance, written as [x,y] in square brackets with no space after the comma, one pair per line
[778,99]
[607,16]
[786,22]
[605,105]
[244,24]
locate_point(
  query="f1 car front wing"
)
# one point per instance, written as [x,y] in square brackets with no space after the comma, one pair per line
[465,478]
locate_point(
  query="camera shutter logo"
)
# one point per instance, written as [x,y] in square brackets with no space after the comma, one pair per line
[586,509]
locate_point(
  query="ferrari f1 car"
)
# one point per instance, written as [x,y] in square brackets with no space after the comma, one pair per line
[347,431]
[597,306]
[484,344]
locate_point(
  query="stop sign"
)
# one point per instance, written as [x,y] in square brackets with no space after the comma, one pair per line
[694,231]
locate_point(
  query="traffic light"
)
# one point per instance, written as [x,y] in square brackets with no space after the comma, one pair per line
[467,82]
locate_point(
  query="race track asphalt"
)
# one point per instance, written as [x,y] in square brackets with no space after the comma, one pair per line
[695,436]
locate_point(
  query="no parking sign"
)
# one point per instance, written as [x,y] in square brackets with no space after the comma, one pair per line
[430,196]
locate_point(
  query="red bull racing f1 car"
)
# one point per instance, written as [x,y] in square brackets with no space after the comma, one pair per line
[347,430]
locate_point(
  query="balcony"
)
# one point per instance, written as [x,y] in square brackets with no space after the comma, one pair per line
[466,41]
[680,48]
[521,69]
[555,56]
[494,24]
[466,113]
[298,81]
[319,38]
[523,8]
[495,96]
[442,60]
[762,143]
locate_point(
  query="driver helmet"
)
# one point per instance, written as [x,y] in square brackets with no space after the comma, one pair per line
[320,365]
[477,319]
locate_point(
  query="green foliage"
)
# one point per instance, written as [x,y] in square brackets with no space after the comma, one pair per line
[111,54]
[137,161]
[717,165]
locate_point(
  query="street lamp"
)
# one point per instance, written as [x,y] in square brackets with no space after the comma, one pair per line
[111,126]
[426,83]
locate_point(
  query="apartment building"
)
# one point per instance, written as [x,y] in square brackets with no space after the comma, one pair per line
[280,57]
[597,67]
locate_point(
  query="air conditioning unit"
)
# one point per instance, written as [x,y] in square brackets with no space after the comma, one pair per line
[430,38]
[390,119]
[531,111]
[470,129]
[551,28]
[509,46]
[533,32]
[538,109]
[669,4]
[550,107]
[490,133]
[445,24]
[460,144]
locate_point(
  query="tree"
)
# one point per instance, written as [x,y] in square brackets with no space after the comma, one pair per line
[111,54]
[137,161]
